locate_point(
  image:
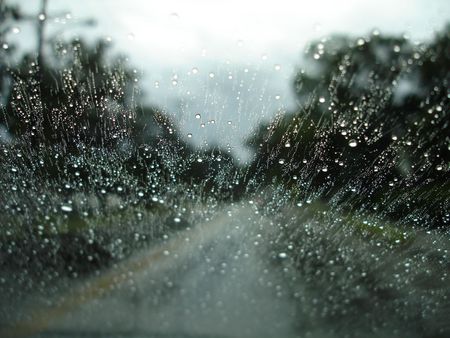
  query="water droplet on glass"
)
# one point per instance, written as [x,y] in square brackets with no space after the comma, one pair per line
[352,143]
[66,208]
[174,16]
[198,116]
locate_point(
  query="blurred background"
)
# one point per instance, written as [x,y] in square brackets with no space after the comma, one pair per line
[231,62]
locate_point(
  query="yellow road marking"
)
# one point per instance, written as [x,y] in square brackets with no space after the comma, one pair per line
[99,286]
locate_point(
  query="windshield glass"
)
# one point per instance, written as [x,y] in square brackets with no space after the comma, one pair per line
[224,169]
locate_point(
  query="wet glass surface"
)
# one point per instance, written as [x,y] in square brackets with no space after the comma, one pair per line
[235,169]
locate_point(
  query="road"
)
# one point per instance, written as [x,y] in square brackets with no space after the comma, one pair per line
[213,280]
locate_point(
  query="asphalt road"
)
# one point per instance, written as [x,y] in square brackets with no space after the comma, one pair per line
[214,280]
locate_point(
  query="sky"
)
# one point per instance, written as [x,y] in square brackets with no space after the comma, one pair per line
[231,62]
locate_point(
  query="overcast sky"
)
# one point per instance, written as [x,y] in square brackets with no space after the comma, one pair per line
[244,52]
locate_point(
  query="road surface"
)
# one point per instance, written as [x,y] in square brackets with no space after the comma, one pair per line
[213,280]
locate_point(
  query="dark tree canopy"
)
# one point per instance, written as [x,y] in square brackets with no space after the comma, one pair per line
[373,121]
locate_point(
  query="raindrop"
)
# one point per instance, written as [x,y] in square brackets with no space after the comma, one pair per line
[66,208]
[174,16]
[352,143]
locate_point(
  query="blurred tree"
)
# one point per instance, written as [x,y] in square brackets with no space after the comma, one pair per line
[71,93]
[9,16]
[74,96]
[374,120]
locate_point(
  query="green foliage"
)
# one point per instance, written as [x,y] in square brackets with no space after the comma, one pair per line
[75,96]
[373,126]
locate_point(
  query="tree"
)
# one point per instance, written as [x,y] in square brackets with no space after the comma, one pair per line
[72,93]
[374,120]
[9,15]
